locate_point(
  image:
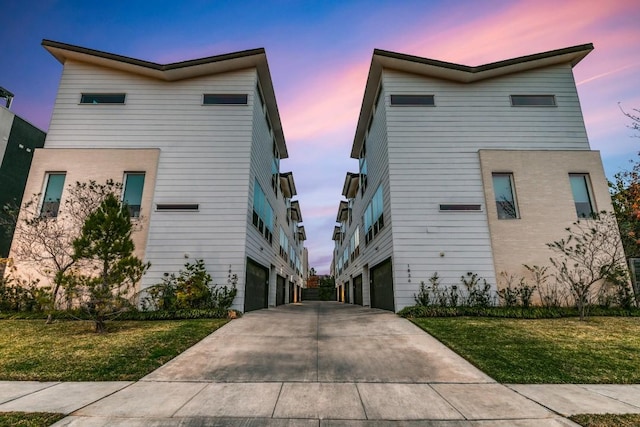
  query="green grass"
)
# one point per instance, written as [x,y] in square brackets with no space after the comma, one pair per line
[603,350]
[607,420]
[28,419]
[71,351]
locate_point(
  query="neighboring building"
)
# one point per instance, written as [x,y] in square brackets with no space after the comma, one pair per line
[197,145]
[462,169]
[18,140]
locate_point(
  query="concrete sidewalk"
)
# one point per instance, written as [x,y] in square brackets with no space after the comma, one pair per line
[317,364]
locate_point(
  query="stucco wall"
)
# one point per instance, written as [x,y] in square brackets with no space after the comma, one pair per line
[545,202]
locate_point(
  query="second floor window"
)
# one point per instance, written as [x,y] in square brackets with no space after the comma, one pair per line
[262,213]
[132,193]
[505,198]
[581,189]
[52,194]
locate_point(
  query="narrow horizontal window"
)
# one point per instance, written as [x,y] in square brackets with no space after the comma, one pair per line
[177,207]
[102,98]
[412,100]
[460,207]
[225,99]
[533,100]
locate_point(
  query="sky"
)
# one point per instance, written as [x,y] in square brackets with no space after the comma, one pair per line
[319,54]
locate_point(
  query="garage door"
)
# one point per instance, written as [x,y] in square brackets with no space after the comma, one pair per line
[281,290]
[357,290]
[382,286]
[257,286]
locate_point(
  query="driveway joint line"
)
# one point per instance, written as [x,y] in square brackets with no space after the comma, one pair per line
[275,405]
[449,403]
[364,408]
[187,401]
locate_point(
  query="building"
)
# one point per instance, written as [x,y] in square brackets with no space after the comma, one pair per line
[462,169]
[197,145]
[18,140]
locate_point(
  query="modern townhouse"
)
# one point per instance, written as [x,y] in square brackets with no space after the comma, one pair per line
[197,145]
[18,140]
[462,169]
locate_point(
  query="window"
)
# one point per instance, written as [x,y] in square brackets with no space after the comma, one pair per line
[581,194]
[363,167]
[102,98]
[354,244]
[275,169]
[132,194]
[460,207]
[417,100]
[225,99]
[52,195]
[177,207]
[373,216]
[262,213]
[505,200]
[284,245]
[533,100]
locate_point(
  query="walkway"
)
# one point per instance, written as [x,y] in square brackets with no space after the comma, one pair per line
[317,364]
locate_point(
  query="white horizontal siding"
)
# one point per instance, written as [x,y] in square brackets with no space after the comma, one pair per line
[205,152]
[433,159]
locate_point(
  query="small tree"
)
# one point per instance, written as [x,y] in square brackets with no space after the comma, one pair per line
[590,257]
[45,243]
[105,244]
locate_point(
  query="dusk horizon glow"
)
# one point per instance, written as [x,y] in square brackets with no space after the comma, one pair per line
[319,55]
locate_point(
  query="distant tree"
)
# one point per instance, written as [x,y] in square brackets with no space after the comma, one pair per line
[45,243]
[327,288]
[312,271]
[111,270]
[590,259]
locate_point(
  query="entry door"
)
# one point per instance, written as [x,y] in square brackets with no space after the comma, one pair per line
[291,290]
[281,290]
[256,293]
[382,286]
[357,290]
[346,292]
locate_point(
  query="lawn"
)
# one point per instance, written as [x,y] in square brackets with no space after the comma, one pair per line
[71,351]
[28,419]
[603,350]
[607,420]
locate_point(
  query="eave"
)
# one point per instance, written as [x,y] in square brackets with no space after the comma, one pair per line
[351,185]
[336,233]
[302,235]
[218,64]
[287,185]
[294,211]
[343,211]
[453,72]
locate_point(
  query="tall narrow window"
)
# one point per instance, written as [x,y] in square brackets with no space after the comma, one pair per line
[373,217]
[581,194]
[363,167]
[52,195]
[132,194]
[275,169]
[263,217]
[505,199]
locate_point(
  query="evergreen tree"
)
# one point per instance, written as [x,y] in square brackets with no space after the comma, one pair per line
[105,244]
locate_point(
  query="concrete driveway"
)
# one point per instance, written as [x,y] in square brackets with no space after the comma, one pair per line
[316,364]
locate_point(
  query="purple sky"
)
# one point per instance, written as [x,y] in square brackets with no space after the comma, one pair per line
[319,54]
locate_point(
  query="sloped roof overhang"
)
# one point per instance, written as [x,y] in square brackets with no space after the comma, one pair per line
[336,233]
[343,211]
[454,72]
[295,212]
[301,233]
[351,185]
[253,58]
[287,185]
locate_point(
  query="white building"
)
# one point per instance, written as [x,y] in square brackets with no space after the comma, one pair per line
[462,169]
[198,146]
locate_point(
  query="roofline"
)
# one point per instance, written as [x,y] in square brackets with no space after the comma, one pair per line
[454,72]
[252,58]
[52,47]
